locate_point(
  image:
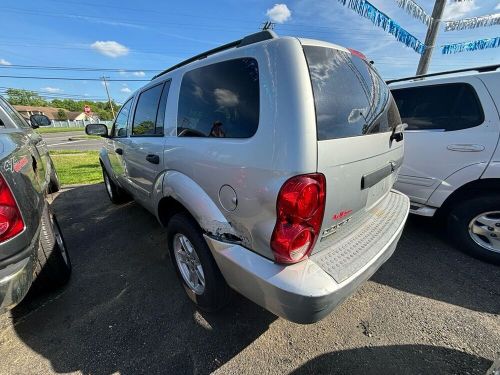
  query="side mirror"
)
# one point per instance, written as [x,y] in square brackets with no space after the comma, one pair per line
[39,120]
[97,129]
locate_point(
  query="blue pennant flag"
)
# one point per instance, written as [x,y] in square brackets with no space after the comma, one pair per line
[470,46]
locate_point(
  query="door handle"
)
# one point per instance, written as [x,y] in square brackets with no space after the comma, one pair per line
[154,159]
[119,151]
[465,148]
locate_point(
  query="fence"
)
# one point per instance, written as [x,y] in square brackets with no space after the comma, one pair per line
[76,123]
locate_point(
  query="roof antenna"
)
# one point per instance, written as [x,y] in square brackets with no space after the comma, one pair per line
[268,25]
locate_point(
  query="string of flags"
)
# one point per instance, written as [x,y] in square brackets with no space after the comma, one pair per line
[367,10]
[470,46]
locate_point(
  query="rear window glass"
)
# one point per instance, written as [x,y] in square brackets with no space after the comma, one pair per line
[220,100]
[445,107]
[350,97]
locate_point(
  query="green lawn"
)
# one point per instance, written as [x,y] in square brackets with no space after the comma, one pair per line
[77,167]
[59,130]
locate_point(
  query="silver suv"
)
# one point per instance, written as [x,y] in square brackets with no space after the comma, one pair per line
[271,162]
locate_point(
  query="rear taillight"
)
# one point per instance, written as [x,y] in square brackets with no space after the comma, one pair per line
[11,222]
[300,208]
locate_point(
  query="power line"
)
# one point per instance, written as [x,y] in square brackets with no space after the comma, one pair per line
[74,79]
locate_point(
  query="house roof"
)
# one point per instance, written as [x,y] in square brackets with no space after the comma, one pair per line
[50,112]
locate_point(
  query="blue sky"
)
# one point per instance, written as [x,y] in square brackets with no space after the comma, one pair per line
[144,36]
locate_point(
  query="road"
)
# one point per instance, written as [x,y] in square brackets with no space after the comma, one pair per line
[71,141]
[429,310]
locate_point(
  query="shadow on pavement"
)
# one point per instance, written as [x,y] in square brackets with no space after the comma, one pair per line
[395,359]
[123,310]
[425,255]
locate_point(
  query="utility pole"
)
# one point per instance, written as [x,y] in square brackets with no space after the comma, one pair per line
[430,38]
[109,98]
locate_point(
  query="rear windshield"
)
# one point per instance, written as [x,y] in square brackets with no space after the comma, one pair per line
[350,97]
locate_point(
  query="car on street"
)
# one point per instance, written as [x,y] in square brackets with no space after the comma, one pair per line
[452,159]
[270,160]
[31,243]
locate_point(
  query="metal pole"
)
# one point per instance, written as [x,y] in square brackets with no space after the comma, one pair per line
[109,98]
[430,38]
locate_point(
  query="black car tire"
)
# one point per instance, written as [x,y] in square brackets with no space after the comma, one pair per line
[216,293]
[54,185]
[53,265]
[115,193]
[459,218]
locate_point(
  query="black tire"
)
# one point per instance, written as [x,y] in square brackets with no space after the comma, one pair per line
[459,218]
[54,185]
[53,264]
[216,292]
[115,193]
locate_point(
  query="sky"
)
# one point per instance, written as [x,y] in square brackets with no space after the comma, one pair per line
[135,40]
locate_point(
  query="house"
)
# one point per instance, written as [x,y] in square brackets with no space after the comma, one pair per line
[52,113]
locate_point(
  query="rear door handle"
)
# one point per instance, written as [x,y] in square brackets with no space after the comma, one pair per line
[465,147]
[154,159]
[119,151]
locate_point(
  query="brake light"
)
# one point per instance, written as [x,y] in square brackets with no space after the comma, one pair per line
[11,222]
[357,53]
[299,208]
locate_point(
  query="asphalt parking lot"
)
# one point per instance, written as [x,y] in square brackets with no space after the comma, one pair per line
[429,310]
[72,141]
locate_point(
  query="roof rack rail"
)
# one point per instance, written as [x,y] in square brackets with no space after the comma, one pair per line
[249,39]
[479,69]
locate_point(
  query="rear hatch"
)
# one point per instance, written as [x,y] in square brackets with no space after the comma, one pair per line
[357,123]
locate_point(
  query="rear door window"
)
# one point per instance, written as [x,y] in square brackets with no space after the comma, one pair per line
[445,107]
[220,100]
[18,120]
[351,99]
[148,120]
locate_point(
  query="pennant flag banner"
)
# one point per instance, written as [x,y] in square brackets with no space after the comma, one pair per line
[415,11]
[470,46]
[367,10]
[472,23]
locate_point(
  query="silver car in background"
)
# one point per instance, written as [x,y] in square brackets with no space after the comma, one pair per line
[271,163]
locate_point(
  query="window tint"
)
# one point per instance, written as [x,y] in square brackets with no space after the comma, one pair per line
[120,125]
[146,121]
[350,97]
[13,114]
[445,107]
[220,100]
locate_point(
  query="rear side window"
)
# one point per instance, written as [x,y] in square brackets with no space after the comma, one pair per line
[220,100]
[445,107]
[350,97]
[13,114]
[148,120]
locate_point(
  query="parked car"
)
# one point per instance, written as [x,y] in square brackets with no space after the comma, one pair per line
[452,161]
[271,163]
[31,242]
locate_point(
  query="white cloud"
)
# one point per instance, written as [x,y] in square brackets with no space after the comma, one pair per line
[52,89]
[458,9]
[4,62]
[226,98]
[125,90]
[139,74]
[110,48]
[279,13]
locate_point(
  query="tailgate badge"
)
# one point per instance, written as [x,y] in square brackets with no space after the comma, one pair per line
[341,214]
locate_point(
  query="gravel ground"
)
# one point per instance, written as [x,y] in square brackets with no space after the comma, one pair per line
[429,310]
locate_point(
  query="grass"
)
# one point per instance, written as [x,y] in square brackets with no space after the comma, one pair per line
[59,130]
[77,167]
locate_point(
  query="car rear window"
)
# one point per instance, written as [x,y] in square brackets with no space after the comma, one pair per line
[350,97]
[445,107]
[220,100]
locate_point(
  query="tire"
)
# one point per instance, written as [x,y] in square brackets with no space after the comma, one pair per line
[215,292]
[115,193]
[54,184]
[53,266]
[474,236]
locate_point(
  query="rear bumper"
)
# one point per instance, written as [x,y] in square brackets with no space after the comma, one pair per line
[16,278]
[303,292]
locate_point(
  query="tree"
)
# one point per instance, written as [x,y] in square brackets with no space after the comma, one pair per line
[61,115]
[25,97]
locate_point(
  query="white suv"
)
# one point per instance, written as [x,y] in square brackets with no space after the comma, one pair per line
[452,158]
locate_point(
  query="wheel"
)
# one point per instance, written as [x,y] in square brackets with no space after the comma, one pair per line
[54,184]
[115,193]
[53,266]
[474,225]
[194,264]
